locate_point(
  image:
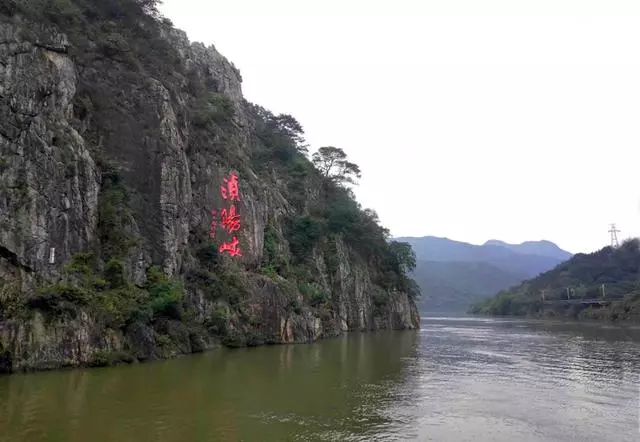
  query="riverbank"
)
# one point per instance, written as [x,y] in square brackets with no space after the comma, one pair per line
[619,311]
[45,343]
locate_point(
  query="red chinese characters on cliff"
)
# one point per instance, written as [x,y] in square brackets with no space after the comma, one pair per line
[233,247]
[230,190]
[230,220]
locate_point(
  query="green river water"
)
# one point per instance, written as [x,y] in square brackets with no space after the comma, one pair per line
[457,379]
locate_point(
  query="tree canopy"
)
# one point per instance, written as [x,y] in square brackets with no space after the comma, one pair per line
[404,254]
[290,127]
[333,164]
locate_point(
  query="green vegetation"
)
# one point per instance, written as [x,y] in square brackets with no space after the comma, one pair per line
[303,234]
[123,27]
[582,277]
[274,252]
[212,108]
[59,298]
[314,225]
[313,294]
[326,211]
[114,214]
[280,147]
[404,256]
[11,300]
[165,294]
[219,320]
[108,296]
[223,284]
[333,164]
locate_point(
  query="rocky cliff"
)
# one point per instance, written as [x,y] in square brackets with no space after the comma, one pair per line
[116,136]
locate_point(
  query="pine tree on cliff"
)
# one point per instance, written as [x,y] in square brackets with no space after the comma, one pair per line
[333,164]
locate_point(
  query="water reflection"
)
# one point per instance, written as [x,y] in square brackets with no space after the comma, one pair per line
[335,388]
[457,379]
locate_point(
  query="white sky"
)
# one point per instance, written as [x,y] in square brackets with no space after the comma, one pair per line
[516,120]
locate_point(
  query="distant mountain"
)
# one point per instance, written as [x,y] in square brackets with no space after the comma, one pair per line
[454,286]
[581,277]
[540,248]
[506,257]
[453,274]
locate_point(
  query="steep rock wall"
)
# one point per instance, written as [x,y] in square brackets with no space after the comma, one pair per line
[75,124]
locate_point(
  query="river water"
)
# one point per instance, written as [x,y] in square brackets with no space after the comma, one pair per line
[458,379]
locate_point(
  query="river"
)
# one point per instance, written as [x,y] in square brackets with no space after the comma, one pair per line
[457,379]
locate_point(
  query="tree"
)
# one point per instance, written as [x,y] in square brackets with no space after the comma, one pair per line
[290,127]
[333,164]
[282,134]
[149,6]
[404,255]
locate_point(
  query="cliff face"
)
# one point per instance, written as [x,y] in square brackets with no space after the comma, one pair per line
[112,159]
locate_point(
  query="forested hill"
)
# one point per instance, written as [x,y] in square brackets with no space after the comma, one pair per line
[148,210]
[453,286]
[580,278]
[453,274]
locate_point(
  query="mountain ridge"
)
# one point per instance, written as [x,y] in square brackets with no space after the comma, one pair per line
[434,248]
[454,274]
[540,247]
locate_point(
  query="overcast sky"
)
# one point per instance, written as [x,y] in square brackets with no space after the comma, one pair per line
[516,120]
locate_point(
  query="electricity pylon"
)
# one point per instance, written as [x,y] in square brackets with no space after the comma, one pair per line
[614,235]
